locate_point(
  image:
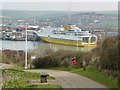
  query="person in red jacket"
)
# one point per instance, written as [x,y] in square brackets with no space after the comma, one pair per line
[74,61]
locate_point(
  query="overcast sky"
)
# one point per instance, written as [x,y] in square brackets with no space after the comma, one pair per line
[59,0]
[62,5]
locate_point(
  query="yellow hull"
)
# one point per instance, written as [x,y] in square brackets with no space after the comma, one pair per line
[67,42]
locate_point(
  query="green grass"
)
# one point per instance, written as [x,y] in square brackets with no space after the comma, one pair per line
[59,68]
[45,86]
[54,68]
[101,77]
[16,78]
[92,73]
[15,67]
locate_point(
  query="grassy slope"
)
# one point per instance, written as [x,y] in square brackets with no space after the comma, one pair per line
[94,74]
[16,78]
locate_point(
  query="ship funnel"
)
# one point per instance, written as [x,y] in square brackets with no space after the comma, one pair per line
[69,27]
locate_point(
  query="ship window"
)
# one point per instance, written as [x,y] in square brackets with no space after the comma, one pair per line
[93,39]
[63,33]
[75,34]
[85,39]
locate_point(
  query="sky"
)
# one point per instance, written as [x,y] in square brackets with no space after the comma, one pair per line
[59,0]
[61,5]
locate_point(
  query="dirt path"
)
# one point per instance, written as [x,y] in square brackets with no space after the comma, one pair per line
[70,80]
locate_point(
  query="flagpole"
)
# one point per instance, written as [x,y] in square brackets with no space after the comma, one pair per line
[26,47]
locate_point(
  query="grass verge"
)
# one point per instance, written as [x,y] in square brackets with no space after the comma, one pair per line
[101,77]
[16,78]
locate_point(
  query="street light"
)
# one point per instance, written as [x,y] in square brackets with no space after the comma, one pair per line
[26,47]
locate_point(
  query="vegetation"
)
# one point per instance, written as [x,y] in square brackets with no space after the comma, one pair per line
[16,78]
[45,86]
[13,56]
[109,55]
[57,59]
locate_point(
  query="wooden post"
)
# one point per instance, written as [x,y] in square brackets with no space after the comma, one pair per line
[43,77]
[84,65]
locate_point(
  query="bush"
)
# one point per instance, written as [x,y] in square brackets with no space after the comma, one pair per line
[105,55]
[109,54]
[60,58]
[15,57]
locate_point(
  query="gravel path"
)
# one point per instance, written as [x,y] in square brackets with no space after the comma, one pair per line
[70,80]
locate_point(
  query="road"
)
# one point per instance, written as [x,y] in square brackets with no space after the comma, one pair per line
[70,80]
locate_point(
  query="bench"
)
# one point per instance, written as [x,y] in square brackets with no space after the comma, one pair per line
[43,76]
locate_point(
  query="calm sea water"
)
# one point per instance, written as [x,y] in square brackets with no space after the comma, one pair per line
[34,45]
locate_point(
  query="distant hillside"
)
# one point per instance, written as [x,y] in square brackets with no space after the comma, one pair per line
[98,19]
[109,13]
[20,14]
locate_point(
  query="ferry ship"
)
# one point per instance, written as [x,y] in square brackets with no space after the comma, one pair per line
[68,35]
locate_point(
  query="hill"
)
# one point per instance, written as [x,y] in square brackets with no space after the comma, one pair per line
[20,14]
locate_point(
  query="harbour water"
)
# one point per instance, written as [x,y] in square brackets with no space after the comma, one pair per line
[34,45]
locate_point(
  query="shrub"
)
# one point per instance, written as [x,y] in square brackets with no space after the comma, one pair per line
[15,57]
[109,54]
[60,58]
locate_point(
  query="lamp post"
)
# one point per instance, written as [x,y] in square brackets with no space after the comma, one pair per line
[77,40]
[26,47]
